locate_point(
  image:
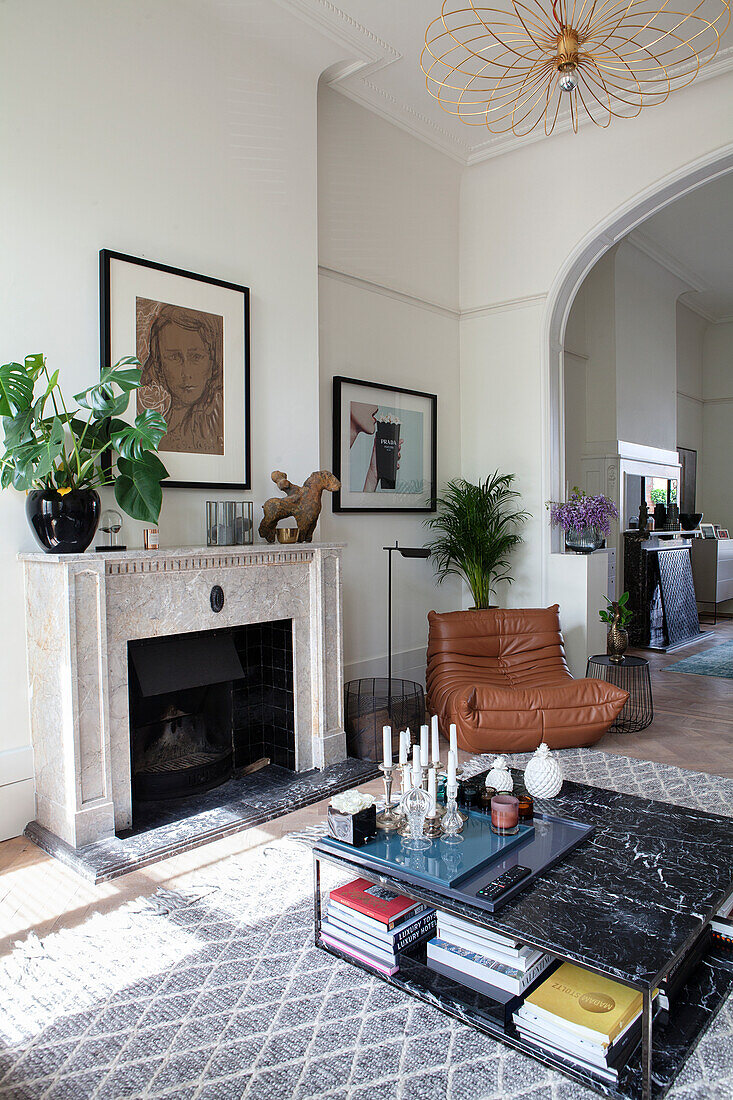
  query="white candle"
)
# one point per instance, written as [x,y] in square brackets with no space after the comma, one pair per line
[416,770]
[454,740]
[451,769]
[404,745]
[424,746]
[435,738]
[387,740]
[432,791]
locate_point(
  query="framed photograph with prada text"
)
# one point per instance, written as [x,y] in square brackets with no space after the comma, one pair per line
[384,447]
[191,335]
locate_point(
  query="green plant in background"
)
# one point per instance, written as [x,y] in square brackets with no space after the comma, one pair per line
[49,446]
[616,608]
[477,528]
[659,496]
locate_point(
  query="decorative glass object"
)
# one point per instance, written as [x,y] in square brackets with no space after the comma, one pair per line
[583,540]
[389,819]
[452,822]
[543,774]
[500,778]
[110,525]
[415,806]
[229,523]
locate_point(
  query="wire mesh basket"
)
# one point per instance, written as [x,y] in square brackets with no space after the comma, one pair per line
[378,701]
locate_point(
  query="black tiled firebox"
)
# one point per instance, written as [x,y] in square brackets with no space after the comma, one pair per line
[264,712]
[205,705]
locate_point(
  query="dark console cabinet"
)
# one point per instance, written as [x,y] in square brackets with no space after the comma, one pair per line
[658,576]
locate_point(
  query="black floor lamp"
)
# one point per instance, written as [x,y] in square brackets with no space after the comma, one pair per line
[373,702]
[406,552]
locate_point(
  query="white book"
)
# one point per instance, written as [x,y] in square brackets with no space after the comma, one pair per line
[521,960]
[592,1052]
[352,918]
[604,1072]
[532,1016]
[468,928]
[487,969]
[353,940]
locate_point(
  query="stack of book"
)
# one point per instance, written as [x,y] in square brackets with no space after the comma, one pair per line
[374,925]
[592,1021]
[499,967]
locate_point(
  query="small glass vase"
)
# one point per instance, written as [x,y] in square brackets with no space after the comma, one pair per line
[584,540]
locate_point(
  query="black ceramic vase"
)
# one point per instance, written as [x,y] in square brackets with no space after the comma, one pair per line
[63,524]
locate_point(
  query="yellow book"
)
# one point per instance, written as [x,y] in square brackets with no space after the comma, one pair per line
[586,1003]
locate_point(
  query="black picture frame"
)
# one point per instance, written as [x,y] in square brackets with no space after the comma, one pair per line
[431,399]
[106,259]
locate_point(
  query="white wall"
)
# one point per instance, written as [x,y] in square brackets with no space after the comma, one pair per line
[646,355]
[717,417]
[184,133]
[388,248]
[691,328]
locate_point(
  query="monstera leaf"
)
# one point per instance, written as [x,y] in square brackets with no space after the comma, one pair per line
[134,440]
[137,486]
[101,399]
[16,388]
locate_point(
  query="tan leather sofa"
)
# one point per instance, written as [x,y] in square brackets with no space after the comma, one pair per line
[501,676]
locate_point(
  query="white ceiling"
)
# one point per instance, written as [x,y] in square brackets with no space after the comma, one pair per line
[693,237]
[384,40]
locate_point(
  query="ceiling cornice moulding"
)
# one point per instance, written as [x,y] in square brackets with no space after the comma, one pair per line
[368,53]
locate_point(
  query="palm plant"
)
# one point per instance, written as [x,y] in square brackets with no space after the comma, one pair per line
[476,528]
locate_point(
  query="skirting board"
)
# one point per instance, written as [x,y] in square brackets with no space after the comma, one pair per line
[17,807]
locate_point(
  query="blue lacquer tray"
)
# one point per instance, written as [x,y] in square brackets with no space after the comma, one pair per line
[441,863]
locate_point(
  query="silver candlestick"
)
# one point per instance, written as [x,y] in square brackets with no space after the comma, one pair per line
[388,819]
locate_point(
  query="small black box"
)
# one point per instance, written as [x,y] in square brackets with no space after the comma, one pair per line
[354,829]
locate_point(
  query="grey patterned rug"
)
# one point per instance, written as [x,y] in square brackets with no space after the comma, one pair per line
[218,994]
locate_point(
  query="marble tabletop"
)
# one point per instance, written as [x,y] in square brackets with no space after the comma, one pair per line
[628,898]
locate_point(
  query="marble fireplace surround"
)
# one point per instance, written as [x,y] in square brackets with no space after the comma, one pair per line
[81,611]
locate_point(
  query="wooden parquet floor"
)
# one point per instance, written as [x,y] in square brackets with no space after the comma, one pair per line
[693,715]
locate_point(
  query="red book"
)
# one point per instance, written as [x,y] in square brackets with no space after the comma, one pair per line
[375,901]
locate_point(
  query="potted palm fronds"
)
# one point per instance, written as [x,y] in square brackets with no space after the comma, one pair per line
[476,529]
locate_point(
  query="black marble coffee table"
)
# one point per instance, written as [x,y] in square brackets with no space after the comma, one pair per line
[629,903]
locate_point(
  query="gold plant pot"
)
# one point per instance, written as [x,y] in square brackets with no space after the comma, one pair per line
[287,534]
[617,642]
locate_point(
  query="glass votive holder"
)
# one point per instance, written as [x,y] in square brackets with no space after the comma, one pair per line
[467,794]
[526,807]
[504,815]
[229,522]
[484,799]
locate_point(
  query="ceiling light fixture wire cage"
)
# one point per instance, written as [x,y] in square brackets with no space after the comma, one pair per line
[508,68]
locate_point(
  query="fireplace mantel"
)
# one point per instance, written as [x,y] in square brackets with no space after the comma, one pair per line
[83,609]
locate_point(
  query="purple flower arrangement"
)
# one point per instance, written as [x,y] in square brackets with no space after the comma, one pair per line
[583,511]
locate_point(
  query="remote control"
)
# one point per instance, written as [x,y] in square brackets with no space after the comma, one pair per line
[493,890]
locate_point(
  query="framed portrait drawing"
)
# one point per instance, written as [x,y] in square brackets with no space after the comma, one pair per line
[708,530]
[384,447]
[191,335]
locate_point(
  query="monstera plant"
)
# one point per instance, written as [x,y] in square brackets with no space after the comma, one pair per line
[60,455]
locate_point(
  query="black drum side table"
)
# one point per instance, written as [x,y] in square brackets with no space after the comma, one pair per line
[631,674]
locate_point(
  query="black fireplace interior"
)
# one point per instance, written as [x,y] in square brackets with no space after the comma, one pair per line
[204,706]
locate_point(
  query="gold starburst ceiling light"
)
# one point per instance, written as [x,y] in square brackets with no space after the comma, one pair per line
[509,68]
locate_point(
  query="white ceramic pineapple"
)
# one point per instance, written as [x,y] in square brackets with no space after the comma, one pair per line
[500,777]
[543,774]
